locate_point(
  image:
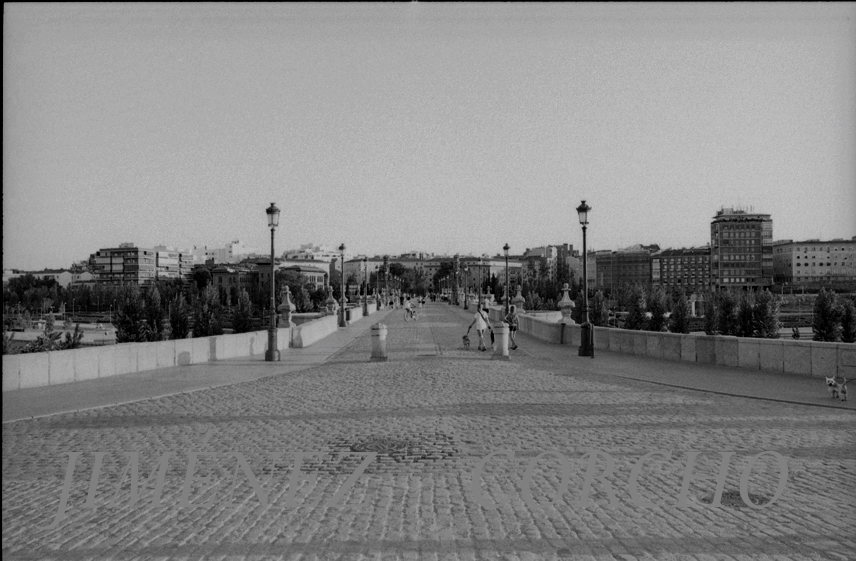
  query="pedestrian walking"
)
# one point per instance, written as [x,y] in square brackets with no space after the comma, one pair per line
[513,322]
[480,321]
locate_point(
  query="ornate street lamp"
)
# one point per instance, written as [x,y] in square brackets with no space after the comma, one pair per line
[272,353]
[505,248]
[587,343]
[481,266]
[342,322]
[366,287]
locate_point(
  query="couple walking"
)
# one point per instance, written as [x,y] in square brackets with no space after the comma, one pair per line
[482,323]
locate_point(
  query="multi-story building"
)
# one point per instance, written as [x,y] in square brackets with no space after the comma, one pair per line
[232,252]
[741,249]
[629,266]
[815,263]
[240,278]
[553,257]
[685,269]
[125,264]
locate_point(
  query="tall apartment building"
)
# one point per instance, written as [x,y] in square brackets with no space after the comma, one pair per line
[685,269]
[815,263]
[741,249]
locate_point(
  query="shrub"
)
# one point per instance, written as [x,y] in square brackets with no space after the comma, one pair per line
[207,313]
[243,320]
[598,314]
[710,314]
[727,313]
[179,318]
[679,322]
[826,316]
[848,321]
[746,315]
[131,323]
[766,314]
[636,309]
[657,306]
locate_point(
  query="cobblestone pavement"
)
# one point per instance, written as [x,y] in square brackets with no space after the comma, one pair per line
[432,413]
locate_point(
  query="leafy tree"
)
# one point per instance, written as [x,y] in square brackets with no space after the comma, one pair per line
[155,315]
[679,321]
[848,321]
[207,314]
[131,324]
[766,315]
[727,313]
[242,322]
[826,317]
[636,308]
[179,317]
[202,277]
[657,305]
[49,341]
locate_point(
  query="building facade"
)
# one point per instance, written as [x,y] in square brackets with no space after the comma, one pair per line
[126,264]
[629,266]
[741,250]
[815,264]
[685,270]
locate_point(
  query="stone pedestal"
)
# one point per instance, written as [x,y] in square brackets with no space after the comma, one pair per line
[500,344]
[379,342]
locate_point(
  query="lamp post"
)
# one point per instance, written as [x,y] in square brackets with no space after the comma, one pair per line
[366,287]
[481,266]
[342,322]
[587,343]
[272,353]
[466,289]
[505,248]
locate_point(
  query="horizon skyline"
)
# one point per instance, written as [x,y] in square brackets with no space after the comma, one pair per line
[445,127]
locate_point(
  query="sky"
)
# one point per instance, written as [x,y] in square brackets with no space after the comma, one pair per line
[443,128]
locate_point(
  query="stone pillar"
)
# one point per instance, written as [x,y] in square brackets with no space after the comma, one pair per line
[500,344]
[379,342]
[519,300]
[286,309]
[566,305]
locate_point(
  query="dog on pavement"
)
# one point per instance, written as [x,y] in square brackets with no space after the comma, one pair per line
[837,387]
[467,342]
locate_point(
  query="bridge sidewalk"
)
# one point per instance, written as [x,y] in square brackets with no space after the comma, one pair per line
[725,380]
[63,398]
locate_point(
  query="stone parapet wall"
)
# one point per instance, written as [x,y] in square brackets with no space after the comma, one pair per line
[809,358]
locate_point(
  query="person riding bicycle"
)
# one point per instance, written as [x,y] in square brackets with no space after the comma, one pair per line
[408,308]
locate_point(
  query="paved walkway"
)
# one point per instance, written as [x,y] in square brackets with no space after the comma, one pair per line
[435,411]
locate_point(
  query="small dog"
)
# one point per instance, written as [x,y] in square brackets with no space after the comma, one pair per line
[837,387]
[467,342]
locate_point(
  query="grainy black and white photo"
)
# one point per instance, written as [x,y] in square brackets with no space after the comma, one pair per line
[437,281]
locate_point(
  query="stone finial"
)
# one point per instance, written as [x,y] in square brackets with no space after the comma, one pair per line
[286,308]
[566,305]
[331,305]
[519,300]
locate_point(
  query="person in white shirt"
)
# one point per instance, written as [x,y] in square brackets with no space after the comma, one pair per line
[482,323]
[408,307]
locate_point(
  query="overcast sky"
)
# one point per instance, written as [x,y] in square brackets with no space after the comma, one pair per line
[436,127]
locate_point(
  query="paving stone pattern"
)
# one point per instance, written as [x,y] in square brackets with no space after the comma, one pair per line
[432,413]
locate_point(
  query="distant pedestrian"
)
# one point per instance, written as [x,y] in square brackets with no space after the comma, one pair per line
[513,322]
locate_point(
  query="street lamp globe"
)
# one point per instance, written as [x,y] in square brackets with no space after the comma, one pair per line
[273,216]
[583,210]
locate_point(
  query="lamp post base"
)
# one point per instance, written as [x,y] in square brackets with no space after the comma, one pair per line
[272,353]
